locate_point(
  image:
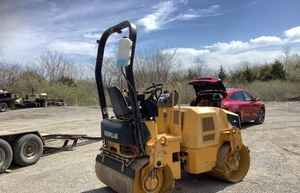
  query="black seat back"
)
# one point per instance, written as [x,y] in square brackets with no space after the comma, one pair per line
[118,102]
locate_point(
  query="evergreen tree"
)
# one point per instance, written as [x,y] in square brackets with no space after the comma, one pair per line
[222,74]
[278,71]
[248,75]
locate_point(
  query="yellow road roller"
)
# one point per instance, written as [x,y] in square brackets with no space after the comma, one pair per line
[149,140]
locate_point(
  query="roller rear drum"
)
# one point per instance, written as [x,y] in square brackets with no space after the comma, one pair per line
[146,179]
[232,167]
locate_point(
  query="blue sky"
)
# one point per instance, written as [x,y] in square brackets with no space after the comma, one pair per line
[218,32]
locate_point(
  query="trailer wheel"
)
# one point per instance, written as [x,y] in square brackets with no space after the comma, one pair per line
[3,107]
[6,155]
[28,150]
[44,103]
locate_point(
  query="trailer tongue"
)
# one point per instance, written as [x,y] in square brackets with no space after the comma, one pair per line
[26,148]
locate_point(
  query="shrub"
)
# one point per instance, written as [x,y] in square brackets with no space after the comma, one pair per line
[275,90]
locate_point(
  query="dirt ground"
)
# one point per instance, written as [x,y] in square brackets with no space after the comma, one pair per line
[274,146]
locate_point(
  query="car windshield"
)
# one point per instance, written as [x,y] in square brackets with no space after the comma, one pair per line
[247,96]
[237,96]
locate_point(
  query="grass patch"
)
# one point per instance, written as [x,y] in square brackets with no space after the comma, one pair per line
[274,90]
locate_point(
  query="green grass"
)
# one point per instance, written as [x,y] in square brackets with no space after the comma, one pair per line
[275,90]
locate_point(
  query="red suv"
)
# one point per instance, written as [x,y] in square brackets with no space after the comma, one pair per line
[210,91]
[246,105]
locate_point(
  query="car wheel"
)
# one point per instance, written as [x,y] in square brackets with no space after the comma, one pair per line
[3,107]
[6,155]
[239,114]
[260,116]
[28,150]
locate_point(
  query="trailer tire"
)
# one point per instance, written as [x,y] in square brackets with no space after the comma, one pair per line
[28,149]
[3,107]
[6,155]
[45,104]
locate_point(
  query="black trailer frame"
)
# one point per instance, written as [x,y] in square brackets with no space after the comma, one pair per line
[70,141]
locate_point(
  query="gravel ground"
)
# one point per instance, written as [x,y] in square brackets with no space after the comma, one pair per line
[274,146]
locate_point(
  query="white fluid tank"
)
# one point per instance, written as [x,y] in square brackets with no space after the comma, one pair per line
[124,52]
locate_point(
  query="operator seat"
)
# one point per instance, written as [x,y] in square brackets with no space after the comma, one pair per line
[122,130]
[120,107]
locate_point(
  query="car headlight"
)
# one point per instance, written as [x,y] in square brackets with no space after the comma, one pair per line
[234,120]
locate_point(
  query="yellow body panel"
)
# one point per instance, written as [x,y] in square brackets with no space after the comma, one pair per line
[201,160]
[200,132]
[161,148]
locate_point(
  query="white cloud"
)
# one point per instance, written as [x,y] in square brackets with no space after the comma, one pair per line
[210,11]
[233,46]
[172,10]
[213,10]
[19,42]
[81,48]
[88,8]
[231,54]
[240,46]
[234,60]
[188,51]
[92,35]
[97,35]
[293,33]
[266,40]
[187,16]
[159,17]
[187,56]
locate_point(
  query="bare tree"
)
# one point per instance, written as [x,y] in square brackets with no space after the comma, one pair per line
[286,49]
[54,65]
[8,74]
[197,69]
[112,75]
[156,67]
[293,68]
[199,66]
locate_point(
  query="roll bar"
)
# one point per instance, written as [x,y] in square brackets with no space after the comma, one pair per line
[137,117]
[99,62]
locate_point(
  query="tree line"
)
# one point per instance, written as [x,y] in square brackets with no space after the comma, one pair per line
[55,74]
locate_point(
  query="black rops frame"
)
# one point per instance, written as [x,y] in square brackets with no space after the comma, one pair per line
[137,118]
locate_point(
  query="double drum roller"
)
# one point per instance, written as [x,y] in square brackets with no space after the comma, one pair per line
[150,140]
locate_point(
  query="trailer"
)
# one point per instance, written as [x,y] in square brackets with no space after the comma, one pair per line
[26,148]
[38,101]
[56,102]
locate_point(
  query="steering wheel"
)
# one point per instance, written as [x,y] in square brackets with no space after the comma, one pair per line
[155,91]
